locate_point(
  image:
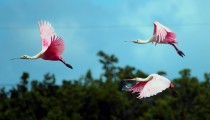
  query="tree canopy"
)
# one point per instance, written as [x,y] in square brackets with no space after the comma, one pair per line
[100,98]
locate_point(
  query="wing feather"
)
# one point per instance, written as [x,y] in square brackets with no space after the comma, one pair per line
[137,87]
[155,85]
[46,32]
[56,47]
[162,32]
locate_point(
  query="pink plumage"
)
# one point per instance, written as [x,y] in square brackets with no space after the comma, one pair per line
[52,45]
[54,51]
[163,34]
[46,32]
[151,86]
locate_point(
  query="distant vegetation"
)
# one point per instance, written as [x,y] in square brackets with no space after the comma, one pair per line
[100,98]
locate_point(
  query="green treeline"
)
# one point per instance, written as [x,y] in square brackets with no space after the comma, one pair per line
[100,98]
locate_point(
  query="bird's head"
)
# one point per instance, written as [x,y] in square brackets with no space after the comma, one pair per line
[24,57]
[136,41]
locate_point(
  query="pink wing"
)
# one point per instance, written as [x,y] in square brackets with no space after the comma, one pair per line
[162,33]
[138,87]
[56,47]
[46,31]
[152,87]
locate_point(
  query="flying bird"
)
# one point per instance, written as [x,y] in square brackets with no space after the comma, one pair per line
[150,86]
[52,45]
[161,35]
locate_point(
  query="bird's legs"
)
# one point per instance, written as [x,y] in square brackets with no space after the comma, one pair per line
[172,89]
[177,50]
[68,65]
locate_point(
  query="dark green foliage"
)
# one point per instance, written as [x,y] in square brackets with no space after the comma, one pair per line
[108,65]
[91,98]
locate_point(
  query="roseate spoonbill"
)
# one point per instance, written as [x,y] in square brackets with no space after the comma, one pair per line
[161,35]
[52,45]
[150,85]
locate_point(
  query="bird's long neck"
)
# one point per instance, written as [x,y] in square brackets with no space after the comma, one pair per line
[152,39]
[144,79]
[35,56]
[140,41]
[141,79]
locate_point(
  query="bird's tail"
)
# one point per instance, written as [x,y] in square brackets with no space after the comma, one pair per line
[172,90]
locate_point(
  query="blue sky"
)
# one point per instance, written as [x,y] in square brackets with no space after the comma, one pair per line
[88,26]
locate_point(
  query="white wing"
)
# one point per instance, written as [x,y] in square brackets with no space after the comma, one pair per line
[155,85]
[160,31]
[46,32]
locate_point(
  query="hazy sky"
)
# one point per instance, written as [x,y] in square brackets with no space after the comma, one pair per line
[88,26]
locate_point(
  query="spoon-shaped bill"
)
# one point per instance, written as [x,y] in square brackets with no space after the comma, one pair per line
[14,58]
[129,41]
